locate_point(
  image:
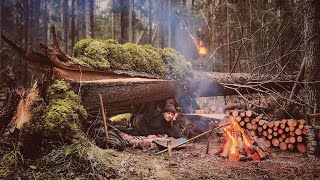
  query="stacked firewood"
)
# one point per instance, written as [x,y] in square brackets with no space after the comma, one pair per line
[285,134]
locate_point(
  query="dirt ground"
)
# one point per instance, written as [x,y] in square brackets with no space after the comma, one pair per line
[191,162]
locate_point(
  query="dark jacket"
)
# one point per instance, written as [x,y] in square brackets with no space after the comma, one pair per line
[153,123]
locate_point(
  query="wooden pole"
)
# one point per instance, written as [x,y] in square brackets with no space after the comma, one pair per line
[169,149]
[200,135]
[104,118]
[208,141]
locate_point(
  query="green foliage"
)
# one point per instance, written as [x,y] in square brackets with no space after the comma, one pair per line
[54,122]
[110,55]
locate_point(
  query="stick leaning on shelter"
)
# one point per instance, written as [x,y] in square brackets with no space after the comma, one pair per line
[189,140]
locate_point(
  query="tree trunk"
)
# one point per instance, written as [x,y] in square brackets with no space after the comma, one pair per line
[225,39]
[1,24]
[169,24]
[130,20]
[49,22]
[35,24]
[82,20]
[65,14]
[124,8]
[91,5]
[88,29]
[150,22]
[163,21]
[73,27]
[312,52]
[45,22]
[113,24]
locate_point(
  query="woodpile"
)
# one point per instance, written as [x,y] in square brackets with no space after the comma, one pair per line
[239,144]
[286,134]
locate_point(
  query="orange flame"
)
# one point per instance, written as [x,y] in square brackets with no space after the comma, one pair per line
[232,134]
[202,49]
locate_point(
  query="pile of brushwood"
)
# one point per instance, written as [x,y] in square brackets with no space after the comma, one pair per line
[109,55]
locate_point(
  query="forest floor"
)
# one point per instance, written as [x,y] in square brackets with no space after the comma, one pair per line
[191,162]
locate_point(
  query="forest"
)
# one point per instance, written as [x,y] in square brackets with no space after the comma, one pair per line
[240,75]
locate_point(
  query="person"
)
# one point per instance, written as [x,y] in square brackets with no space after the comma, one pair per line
[155,122]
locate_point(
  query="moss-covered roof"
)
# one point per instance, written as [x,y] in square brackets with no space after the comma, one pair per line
[110,55]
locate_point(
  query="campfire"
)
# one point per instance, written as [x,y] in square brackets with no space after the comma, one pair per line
[239,145]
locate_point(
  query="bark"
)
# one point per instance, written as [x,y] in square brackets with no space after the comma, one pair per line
[11,103]
[73,25]
[91,14]
[312,52]
[82,20]
[163,23]
[65,22]
[49,22]
[150,21]
[1,24]
[113,28]
[169,24]
[130,20]
[45,23]
[124,21]
[35,23]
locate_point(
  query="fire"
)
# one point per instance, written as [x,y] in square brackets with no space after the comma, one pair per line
[236,140]
[202,49]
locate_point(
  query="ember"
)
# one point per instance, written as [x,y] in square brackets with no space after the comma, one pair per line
[238,144]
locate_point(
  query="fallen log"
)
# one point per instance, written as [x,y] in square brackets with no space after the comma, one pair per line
[123,88]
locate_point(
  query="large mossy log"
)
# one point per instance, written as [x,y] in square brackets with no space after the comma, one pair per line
[122,89]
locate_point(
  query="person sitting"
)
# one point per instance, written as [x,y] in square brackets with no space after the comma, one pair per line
[155,122]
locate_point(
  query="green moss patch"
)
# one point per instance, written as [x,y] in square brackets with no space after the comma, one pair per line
[53,122]
[110,55]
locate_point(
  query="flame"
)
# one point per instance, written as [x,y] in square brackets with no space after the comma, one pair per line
[202,49]
[237,137]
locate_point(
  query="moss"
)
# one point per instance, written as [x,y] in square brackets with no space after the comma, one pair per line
[111,41]
[138,57]
[54,122]
[119,58]
[80,47]
[98,52]
[154,58]
[110,55]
